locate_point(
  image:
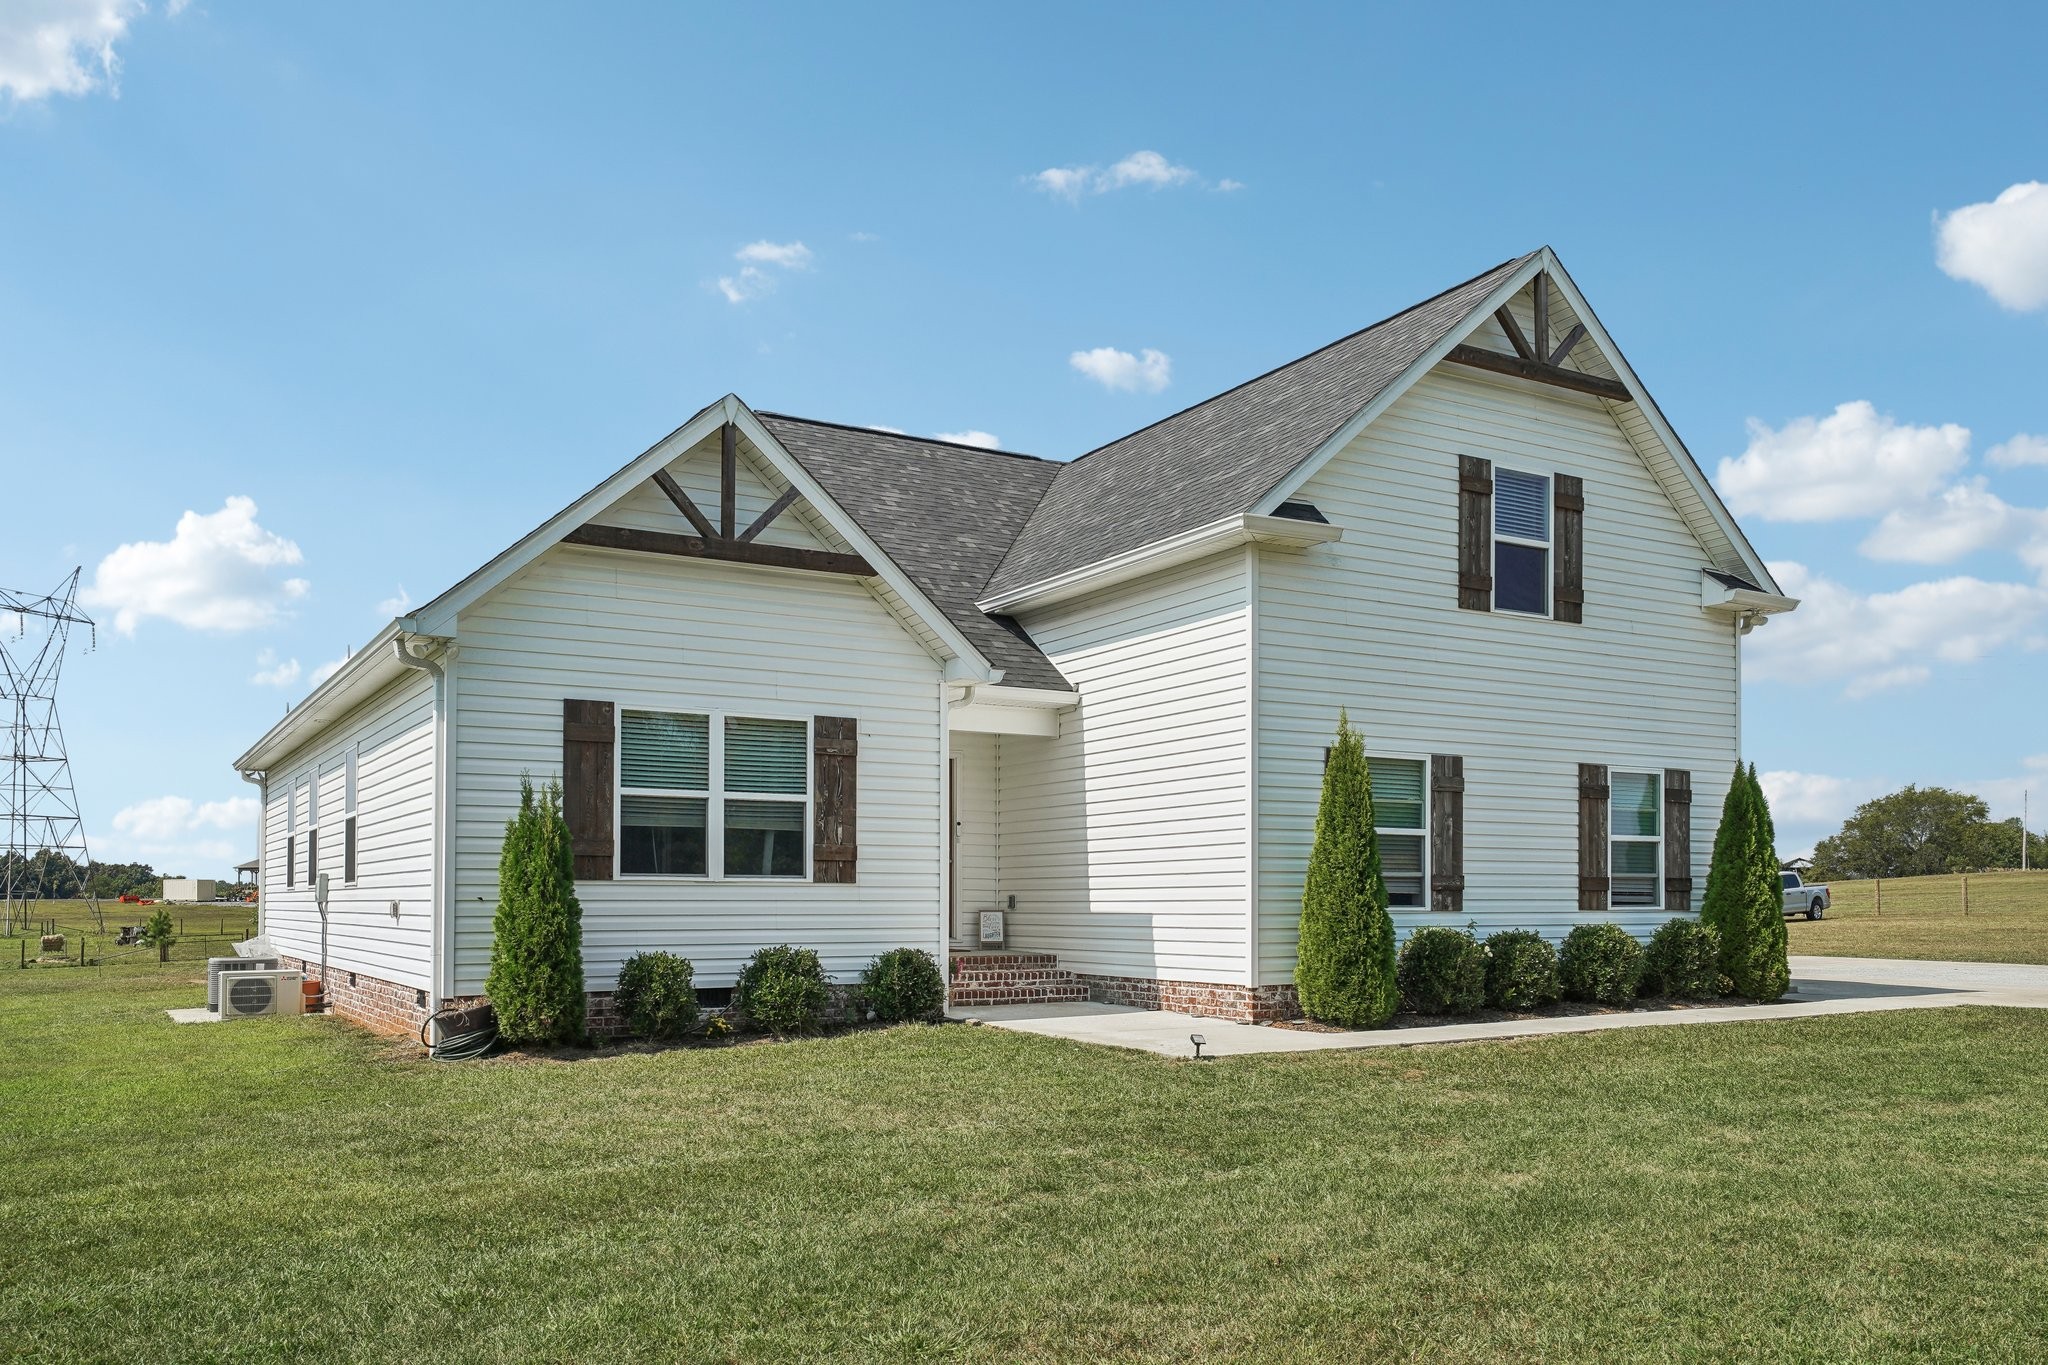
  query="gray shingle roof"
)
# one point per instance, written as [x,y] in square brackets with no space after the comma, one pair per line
[1219,457]
[944,513]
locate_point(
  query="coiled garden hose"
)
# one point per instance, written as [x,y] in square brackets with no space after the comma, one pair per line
[458,1047]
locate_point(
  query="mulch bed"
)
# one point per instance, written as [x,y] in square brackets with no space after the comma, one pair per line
[1564,1009]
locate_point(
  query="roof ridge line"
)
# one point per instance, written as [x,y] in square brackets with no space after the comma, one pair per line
[906,436]
[1306,355]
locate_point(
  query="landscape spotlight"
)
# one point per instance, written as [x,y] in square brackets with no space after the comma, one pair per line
[1200,1042]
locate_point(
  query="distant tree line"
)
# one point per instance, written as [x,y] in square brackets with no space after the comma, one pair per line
[55,876]
[1922,832]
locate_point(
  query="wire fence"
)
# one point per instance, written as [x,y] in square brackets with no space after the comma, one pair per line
[2004,894]
[202,931]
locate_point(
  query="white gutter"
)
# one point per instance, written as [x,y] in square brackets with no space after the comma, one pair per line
[1248,528]
[416,652]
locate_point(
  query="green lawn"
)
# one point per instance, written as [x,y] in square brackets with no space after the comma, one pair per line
[1923,917]
[1851,1188]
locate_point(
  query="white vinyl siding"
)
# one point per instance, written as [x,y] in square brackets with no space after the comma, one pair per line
[1649,681]
[392,739]
[1125,839]
[975,763]
[654,633]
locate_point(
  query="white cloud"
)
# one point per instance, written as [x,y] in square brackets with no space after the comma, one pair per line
[785,255]
[396,604]
[1963,519]
[219,571]
[326,671]
[757,262]
[1801,799]
[1855,462]
[62,47]
[182,836]
[1147,169]
[985,439]
[2020,450]
[2005,795]
[2001,246]
[1148,372]
[1227,185]
[272,673]
[1884,640]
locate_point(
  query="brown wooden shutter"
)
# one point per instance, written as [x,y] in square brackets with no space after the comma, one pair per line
[1677,841]
[835,751]
[1475,533]
[1446,832]
[1569,497]
[1593,834]
[589,736]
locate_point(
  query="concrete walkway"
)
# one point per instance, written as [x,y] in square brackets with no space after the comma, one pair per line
[1820,985]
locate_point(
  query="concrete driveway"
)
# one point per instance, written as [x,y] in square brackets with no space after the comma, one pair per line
[1820,985]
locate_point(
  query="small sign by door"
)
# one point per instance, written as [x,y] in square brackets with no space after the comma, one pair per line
[991,928]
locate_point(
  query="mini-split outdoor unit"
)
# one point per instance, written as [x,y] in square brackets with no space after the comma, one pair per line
[247,994]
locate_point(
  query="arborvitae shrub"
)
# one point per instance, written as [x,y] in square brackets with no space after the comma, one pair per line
[1600,963]
[1442,971]
[1752,916]
[1683,961]
[782,989]
[657,995]
[903,983]
[1344,963]
[1521,970]
[536,979]
[1728,839]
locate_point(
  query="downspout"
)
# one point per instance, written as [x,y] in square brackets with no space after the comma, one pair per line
[413,651]
[261,782]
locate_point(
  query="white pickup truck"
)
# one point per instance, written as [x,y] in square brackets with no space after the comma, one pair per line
[1803,898]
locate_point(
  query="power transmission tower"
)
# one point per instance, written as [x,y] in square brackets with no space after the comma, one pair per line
[38,803]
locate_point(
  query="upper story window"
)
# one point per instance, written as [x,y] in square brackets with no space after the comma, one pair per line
[1521,542]
[1400,814]
[713,796]
[1636,848]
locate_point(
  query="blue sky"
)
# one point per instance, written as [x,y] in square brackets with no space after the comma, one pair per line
[361,294]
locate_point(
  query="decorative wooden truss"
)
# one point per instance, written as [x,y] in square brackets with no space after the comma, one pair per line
[1535,358]
[721,541]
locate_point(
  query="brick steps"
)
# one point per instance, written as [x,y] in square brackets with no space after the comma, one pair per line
[1012,979]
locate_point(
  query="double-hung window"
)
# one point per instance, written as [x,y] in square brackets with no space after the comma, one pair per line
[1400,814]
[1636,841]
[706,795]
[291,835]
[313,829]
[348,814]
[1521,542]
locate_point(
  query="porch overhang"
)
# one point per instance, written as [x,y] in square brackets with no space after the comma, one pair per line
[993,710]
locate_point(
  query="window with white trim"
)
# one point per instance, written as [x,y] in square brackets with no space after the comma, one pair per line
[1400,817]
[291,835]
[348,814]
[709,795]
[1635,854]
[313,828]
[1521,542]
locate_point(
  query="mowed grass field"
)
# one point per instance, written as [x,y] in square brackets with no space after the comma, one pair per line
[1852,1188]
[1924,917]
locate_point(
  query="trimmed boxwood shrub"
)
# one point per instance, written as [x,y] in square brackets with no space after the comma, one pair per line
[1521,970]
[657,995]
[903,983]
[782,989]
[1600,963]
[1683,961]
[1442,971]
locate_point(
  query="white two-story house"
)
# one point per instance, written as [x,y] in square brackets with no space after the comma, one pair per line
[842,688]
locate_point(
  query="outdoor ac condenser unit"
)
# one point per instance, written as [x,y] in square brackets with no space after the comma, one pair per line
[247,994]
[215,966]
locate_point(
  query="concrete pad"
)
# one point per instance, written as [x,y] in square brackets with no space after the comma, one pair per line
[200,1015]
[1820,986]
